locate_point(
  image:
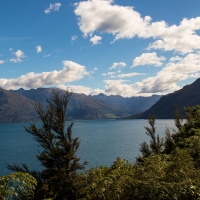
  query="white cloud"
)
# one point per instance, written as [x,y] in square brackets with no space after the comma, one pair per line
[95,39]
[95,69]
[189,64]
[47,55]
[97,91]
[119,64]
[181,38]
[118,87]
[19,55]
[39,49]
[53,7]
[11,49]
[102,16]
[148,59]
[81,89]
[128,75]
[74,37]
[2,62]
[175,58]
[71,72]
[194,75]
[124,22]
[161,83]
[111,73]
[173,72]
[76,89]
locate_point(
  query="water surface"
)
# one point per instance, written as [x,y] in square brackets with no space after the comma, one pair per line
[101,142]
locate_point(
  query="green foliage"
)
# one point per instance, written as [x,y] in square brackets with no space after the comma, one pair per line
[187,135]
[106,182]
[163,176]
[156,143]
[159,176]
[58,155]
[17,185]
[169,168]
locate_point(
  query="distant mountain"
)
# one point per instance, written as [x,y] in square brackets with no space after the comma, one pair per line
[134,104]
[15,108]
[80,106]
[189,95]
[18,105]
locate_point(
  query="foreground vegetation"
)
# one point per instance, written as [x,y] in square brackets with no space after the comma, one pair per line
[168,168]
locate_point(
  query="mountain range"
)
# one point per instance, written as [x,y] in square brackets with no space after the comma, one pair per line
[18,105]
[189,95]
[15,108]
[134,104]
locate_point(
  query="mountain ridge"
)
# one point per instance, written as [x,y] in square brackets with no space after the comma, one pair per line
[135,104]
[18,106]
[189,95]
[8,100]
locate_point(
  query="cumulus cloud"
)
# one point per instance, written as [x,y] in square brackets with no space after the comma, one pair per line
[95,69]
[95,39]
[181,38]
[194,75]
[161,83]
[118,65]
[173,72]
[175,58]
[76,89]
[103,16]
[124,22]
[19,55]
[111,73]
[128,75]
[148,59]
[112,87]
[119,87]
[39,49]
[2,62]
[189,64]
[96,91]
[81,89]
[53,7]
[71,72]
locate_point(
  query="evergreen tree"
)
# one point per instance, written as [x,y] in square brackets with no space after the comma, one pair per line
[156,143]
[58,155]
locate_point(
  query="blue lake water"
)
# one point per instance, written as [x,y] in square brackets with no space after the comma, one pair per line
[101,142]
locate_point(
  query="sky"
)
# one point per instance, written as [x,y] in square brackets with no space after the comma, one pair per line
[115,47]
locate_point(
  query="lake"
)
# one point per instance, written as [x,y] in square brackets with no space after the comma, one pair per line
[101,142]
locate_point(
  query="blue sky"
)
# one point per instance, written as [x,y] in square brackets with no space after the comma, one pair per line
[121,47]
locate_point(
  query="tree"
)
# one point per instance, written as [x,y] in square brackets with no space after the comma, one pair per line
[156,143]
[58,155]
[17,185]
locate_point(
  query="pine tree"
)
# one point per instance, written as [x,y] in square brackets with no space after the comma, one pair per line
[58,155]
[156,143]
